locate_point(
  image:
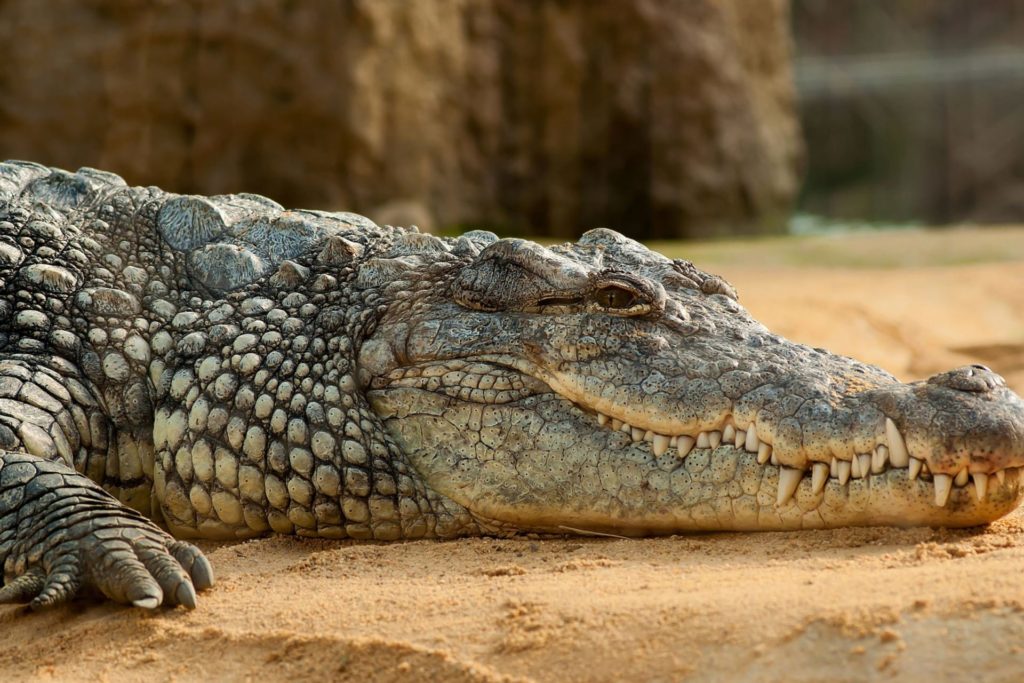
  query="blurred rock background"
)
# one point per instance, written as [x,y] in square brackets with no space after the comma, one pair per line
[913,110]
[661,118]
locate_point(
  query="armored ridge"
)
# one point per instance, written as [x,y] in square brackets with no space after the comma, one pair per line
[229,368]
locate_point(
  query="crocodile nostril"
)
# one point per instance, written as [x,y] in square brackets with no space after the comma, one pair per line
[972,378]
[978,366]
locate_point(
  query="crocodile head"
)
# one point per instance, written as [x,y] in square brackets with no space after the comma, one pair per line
[602,386]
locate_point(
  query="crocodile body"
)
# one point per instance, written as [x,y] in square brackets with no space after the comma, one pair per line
[224,368]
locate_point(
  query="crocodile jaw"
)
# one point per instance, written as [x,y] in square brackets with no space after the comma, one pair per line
[543,463]
[537,445]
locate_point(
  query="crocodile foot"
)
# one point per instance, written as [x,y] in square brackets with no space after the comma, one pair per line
[68,535]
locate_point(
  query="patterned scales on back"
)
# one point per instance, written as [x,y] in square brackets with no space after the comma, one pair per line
[233,240]
[85,288]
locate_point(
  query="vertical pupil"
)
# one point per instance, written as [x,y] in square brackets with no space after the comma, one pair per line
[613,297]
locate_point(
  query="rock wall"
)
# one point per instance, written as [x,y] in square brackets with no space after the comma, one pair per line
[660,118]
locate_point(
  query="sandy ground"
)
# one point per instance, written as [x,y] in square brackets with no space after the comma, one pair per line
[846,605]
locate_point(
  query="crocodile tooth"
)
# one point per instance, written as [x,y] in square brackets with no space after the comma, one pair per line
[624,427]
[673,442]
[819,477]
[602,419]
[1001,476]
[764,453]
[855,467]
[729,434]
[980,485]
[898,455]
[636,433]
[914,469]
[774,459]
[789,479]
[660,444]
[685,445]
[715,438]
[943,484]
[703,441]
[865,464]
[616,424]
[649,436]
[752,442]
[878,459]
[740,439]
[961,477]
[844,471]
[833,468]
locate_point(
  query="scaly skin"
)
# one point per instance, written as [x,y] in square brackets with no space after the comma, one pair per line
[228,368]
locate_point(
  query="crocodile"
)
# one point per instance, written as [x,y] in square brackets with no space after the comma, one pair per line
[175,367]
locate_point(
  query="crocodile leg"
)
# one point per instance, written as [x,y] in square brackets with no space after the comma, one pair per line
[60,532]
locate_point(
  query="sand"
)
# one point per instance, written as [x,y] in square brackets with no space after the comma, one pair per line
[843,605]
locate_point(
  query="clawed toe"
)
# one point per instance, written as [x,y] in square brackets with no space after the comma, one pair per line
[195,563]
[148,602]
[202,573]
[186,595]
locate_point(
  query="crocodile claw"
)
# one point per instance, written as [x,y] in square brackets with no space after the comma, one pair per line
[131,568]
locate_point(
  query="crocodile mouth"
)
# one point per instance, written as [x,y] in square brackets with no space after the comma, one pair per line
[888,456]
[887,463]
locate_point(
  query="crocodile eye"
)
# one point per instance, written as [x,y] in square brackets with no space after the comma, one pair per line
[614,297]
